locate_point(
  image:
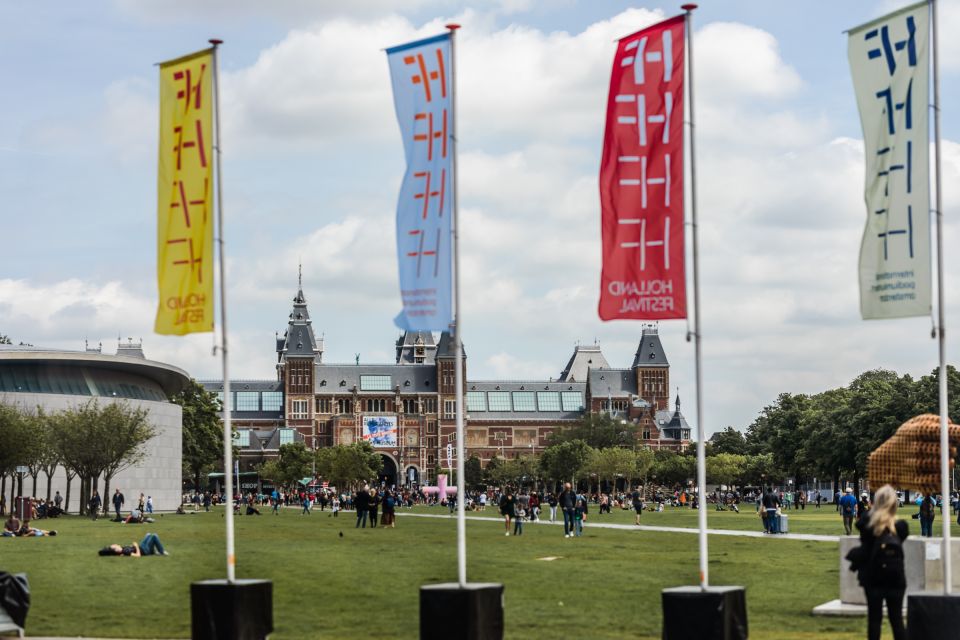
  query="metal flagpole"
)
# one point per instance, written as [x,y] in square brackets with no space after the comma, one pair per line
[941,331]
[227,428]
[457,327]
[701,432]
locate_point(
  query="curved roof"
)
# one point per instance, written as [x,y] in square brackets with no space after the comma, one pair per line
[170,378]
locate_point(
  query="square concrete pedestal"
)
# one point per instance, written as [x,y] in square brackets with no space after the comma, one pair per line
[240,610]
[451,612]
[715,613]
[932,616]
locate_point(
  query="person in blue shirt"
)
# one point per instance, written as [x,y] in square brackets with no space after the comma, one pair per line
[848,510]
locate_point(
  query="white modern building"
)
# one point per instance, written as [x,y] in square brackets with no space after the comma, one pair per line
[55,379]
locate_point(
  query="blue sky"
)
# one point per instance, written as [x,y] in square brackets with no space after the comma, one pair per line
[313,162]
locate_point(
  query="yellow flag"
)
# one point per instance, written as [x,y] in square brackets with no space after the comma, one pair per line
[185,196]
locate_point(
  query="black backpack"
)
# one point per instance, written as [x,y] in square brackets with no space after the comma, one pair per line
[886,565]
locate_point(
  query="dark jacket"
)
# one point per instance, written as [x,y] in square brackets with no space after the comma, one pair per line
[567,499]
[362,501]
[867,541]
[770,500]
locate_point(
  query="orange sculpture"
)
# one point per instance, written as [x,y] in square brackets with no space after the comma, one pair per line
[910,459]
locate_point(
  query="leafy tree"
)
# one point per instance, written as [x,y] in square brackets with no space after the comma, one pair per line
[294,463]
[473,471]
[598,431]
[4,339]
[74,434]
[123,433]
[672,468]
[16,444]
[348,465]
[725,468]
[644,461]
[926,393]
[728,441]
[202,430]
[563,461]
[612,463]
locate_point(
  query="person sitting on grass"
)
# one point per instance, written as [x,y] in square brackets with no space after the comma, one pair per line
[12,526]
[252,510]
[149,546]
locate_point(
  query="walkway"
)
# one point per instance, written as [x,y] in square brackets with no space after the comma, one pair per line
[810,537]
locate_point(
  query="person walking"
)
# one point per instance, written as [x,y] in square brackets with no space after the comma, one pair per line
[568,504]
[637,506]
[552,503]
[389,510]
[508,508]
[881,569]
[928,512]
[94,504]
[335,506]
[848,510]
[149,504]
[579,515]
[118,503]
[57,501]
[520,514]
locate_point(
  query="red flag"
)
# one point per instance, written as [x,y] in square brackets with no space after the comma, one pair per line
[641,178]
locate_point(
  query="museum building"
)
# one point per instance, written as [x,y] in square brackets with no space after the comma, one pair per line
[58,379]
[407,408]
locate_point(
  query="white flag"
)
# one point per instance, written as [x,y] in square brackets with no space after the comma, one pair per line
[889,62]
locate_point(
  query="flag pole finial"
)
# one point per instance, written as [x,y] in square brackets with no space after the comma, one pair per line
[453,26]
[215,41]
[688,7]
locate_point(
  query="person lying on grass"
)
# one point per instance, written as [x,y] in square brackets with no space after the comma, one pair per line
[149,546]
[12,528]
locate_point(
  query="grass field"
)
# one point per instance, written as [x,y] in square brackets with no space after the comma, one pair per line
[604,585]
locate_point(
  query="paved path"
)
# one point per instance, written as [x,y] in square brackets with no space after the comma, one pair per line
[632,527]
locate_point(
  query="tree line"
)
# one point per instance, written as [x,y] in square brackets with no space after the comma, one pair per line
[799,437]
[91,442]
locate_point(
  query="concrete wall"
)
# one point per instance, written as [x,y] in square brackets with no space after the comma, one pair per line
[159,475]
[922,574]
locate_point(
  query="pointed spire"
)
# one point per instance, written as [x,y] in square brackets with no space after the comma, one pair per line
[300,299]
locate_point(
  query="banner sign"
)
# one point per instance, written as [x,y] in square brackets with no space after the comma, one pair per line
[184,196]
[421,76]
[380,431]
[889,62]
[641,178]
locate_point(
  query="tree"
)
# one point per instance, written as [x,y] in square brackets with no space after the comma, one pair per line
[202,430]
[725,468]
[74,434]
[348,465]
[294,463]
[563,461]
[672,468]
[4,339]
[473,472]
[644,462]
[598,431]
[728,441]
[15,443]
[123,432]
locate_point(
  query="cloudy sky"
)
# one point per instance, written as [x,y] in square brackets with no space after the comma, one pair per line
[313,162]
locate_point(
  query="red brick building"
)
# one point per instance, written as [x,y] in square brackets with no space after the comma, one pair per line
[407,407]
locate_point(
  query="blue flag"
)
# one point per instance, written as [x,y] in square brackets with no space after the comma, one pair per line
[420,73]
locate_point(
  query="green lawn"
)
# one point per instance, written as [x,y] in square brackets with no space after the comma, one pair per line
[365,583]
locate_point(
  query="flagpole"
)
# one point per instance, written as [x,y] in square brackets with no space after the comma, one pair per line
[701,432]
[941,331]
[227,427]
[458,327]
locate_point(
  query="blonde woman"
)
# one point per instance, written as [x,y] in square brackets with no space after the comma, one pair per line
[882,574]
